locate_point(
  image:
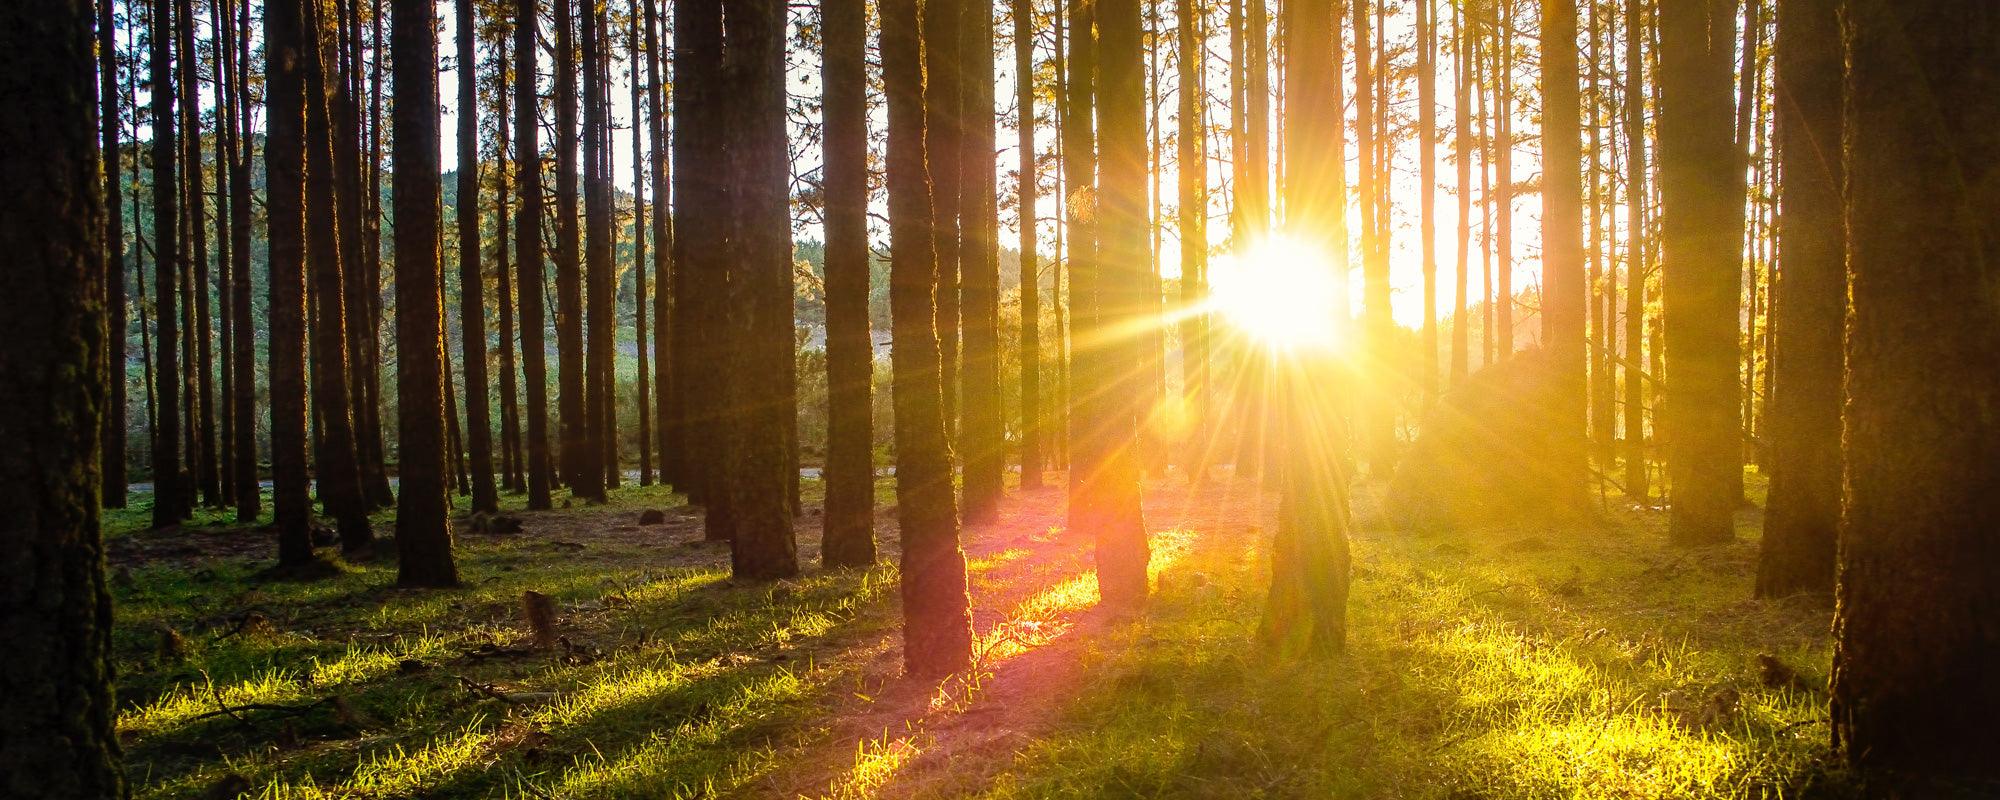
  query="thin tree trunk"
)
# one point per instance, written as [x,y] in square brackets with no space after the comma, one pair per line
[55,609]
[112,437]
[1636,223]
[582,461]
[1916,645]
[601,439]
[359,284]
[1503,178]
[640,266]
[201,337]
[471,280]
[1427,177]
[423,524]
[1462,123]
[528,230]
[1566,292]
[169,495]
[667,398]
[848,533]
[1191,223]
[510,407]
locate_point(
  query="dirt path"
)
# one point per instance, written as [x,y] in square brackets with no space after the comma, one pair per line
[1035,614]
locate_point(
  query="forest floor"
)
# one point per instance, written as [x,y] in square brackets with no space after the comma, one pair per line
[1593,661]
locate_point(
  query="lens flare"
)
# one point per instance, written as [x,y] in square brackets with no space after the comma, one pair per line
[1280,292]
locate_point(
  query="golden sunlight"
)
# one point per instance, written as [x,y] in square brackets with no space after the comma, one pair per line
[1281,291]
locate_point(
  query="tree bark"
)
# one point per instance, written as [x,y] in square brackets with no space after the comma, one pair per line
[1462,72]
[1808,307]
[1565,293]
[112,439]
[1916,645]
[982,438]
[285,45]
[1636,251]
[1033,459]
[701,212]
[170,504]
[360,284]
[513,454]
[1701,192]
[248,502]
[528,233]
[423,523]
[601,290]
[56,708]
[944,151]
[582,461]
[666,395]
[471,278]
[849,538]
[640,266]
[1191,222]
[937,614]
[201,336]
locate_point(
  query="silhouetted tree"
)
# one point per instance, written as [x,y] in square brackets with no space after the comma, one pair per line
[471,279]
[528,233]
[849,538]
[1032,457]
[423,523]
[1701,196]
[109,92]
[285,45]
[701,216]
[56,710]
[170,504]
[1808,307]
[937,615]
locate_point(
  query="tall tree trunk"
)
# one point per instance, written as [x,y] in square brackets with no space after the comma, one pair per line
[471,280]
[944,151]
[1191,166]
[1378,326]
[1565,291]
[423,523]
[640,266]
[1503,178]
[937,614]
[1427,177]
[109,89]
[1636,251]
[56,710]
[1461,356]
[202,336]
[371,229]
[169,493]
[248,503]
[599,378]
[225,239]
[335,464]
[666,396]
[849,538]
[1808,307]
[1916,642]
[1307,610]
[701,260]
[1109,503]
[582,461]
[528,233]
[1701,192]
[360,285]
[982,440]
[760,293]
[286,48]
[510,408]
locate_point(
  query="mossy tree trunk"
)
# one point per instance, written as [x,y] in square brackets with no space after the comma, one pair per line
[56,710]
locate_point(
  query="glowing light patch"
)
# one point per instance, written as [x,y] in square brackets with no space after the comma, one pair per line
[1280,291]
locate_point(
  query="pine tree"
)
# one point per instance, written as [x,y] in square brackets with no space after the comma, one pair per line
[56,708]
[944,150]
[528,243]
[982,439]
[701,212]
[471,278]
[110,120]
[849,538]
[1564,291]
[1463,154]
[360,282]
[666,398]
[1033,459]
[1636,251]
[1701,194]
[244,447]
[1427,186]
[1808,308]
[600,466]
[1916,646]
[640,265]
[937,614]
[581,463]
[513,457]
[200,340]
[285,44]
[423,523]
[170,504]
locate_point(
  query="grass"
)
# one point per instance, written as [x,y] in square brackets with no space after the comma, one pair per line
[1498,663]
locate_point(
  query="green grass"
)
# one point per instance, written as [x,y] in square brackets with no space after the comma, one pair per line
[1500,663]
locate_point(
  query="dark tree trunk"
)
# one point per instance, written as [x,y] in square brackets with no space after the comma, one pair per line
[1701,194]
[472,281]
[1808,308]
[56,708]
[528,230]
[1032,432]
[1114,391]
[423,524]
[510,406]
[601,291]
[1565,293]
[582,464]
[285,99]
[849,538]
[937,614]
[1427,180]
[1191,166]
[944,150]
[370,412]
[109,89]
[1916,646]
[170,504]
[666,395]
[760,293]
[248,503]
[1377,420]
[1636,251]
[982,438]
[225,163]
[335,465]
[644,406]
[358,283]
[201,336]
[701,215]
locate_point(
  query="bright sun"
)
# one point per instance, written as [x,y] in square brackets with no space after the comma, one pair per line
[1281,292]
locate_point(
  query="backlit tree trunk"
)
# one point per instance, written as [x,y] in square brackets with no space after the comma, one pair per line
[849,538]
[1808,307]
[666,396]
[284,164]
[1701,193]
[944,151]
[423,524]
[640,266]
[56,709]
[1636,252]
[1033,458]
[1191,166]
[248,502]
[701,214]
[1565,293]
[582,462]
[471,280]
[1917,646]
[1461,356]
[982,439]
[528,243]
[601,439]
[937,615]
